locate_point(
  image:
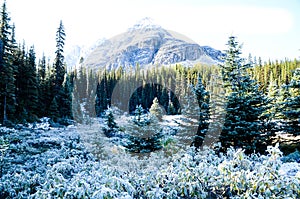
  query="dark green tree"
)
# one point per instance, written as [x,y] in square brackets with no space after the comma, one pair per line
[7,68]
[66,99]
[111,125]
[31,102]
[291,106]
[54,110]
[59,65]
[244,125]
[138,113]
[42,86]
[202,97]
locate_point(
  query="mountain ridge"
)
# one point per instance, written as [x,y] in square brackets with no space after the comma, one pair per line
[146,44]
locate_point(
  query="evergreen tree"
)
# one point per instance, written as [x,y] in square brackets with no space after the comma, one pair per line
[138,113]
[59,59]
[202,97]
[291,106]
[111,125]
[54,110]
[31,102]
[66,99]
[273,95]
[244,127]
[156,109]
[171,108]
[7,69]
[42,69]
[42,88]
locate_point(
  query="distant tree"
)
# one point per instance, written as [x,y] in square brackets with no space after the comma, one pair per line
[54,110]
[202,97]
[59,58]
[111,125]
[66,99]
[156,109]
[31,86]
[138,113]
[171,108]
[42,69]
[42,89]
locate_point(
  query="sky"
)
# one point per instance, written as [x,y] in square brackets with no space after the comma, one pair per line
[268,29]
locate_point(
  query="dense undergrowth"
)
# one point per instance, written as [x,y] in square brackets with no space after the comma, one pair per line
[54,163]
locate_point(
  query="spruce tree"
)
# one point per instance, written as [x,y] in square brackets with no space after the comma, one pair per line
[54,110]
[7,68]
[202,97]
[111,125]
[171,108]
[66,99]
[291,106]
[156,109]
[244,125]
[31,101]
[138,114]
[59,58]
[42,89]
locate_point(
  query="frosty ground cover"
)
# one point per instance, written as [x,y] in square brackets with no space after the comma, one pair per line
[38,161]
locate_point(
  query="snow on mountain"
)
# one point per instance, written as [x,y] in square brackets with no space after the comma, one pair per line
[146,44]
[145,23]
[74,53]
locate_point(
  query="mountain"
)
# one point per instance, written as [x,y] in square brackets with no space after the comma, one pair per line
[147,43]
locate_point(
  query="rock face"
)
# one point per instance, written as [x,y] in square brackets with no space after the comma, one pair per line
[149,44]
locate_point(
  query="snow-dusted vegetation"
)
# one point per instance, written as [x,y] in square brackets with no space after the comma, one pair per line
[43,162]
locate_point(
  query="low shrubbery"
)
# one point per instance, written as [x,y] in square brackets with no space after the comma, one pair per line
[68,171]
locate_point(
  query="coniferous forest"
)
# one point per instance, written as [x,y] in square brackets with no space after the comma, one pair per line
[253,104]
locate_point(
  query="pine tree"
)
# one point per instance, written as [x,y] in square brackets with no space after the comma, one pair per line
[138,113]
[42,69]
[31,86]
[244,126]
[59,59]
[291,108]
[42,89]
[273,95]
[111,125]
[66,99]
[171,108]
[156,109]
[7,69]
[54,110]
[202,97]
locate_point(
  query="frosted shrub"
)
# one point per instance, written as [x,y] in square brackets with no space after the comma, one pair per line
[68,171]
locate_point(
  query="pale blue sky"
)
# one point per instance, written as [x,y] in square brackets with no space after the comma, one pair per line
[267,28]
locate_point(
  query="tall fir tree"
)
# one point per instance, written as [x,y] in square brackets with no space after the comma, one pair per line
[59,58]
[244,125]
[42,82]
[31,101]
[7,68]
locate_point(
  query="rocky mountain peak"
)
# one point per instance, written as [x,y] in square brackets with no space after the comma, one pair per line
[145,23]
[148,44]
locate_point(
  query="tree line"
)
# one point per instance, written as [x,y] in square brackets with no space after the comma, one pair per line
[28,90]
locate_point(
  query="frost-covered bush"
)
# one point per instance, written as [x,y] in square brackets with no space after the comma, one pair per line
[188,175]
[63,169]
